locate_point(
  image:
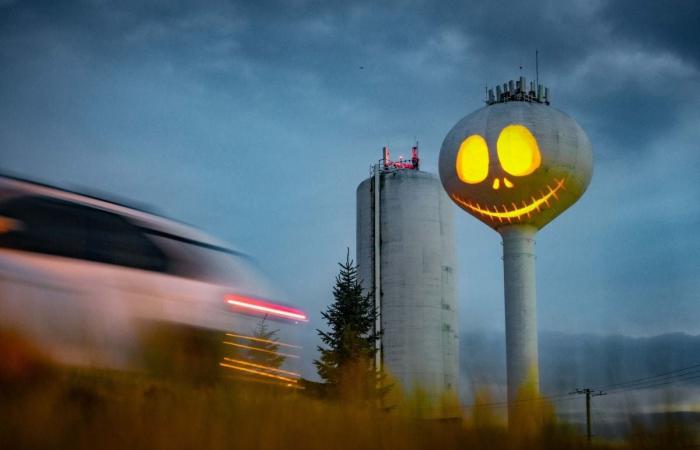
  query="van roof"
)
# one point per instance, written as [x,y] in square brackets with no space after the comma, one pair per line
[152,222]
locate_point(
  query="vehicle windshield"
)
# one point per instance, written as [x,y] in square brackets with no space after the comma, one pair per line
[215,264]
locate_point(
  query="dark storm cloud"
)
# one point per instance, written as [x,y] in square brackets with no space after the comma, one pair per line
[626,66]
[263,116]
[634,62]
[672,27]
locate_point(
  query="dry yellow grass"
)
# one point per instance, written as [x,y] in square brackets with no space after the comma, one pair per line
[44,407]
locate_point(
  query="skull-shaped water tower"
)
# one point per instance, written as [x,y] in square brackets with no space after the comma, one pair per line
[516,164]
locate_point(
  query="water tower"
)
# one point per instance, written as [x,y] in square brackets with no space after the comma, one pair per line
[516,164]
[406,259]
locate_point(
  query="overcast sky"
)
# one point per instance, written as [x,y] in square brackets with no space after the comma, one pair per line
[256,121]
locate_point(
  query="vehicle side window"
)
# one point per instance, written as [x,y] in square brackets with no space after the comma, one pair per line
[113,240]
[62,228]
[43,227]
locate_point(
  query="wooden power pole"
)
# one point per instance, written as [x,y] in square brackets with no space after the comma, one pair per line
[588,393]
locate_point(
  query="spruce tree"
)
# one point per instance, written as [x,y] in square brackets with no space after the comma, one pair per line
[346,363]
[265,340]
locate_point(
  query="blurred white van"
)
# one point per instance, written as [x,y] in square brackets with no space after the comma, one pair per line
[85,278]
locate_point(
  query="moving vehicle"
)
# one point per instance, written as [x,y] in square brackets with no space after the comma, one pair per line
[90,281]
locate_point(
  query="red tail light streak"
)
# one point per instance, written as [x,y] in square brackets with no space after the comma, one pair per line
[258,306]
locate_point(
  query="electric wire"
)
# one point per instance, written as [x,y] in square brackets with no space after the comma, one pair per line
[649,378]
[656,384]
[647,382]
[679,375]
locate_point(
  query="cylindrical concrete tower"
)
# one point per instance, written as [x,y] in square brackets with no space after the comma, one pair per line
[406,258]
[516,164]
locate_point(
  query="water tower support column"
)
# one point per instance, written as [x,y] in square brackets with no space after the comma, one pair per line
[521,316]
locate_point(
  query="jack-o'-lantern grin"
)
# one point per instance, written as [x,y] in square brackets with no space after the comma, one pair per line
[505,213]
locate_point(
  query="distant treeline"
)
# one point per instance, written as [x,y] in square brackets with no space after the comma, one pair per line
[568,360]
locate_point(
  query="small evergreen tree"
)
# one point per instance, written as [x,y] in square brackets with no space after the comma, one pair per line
[265,339]
[347,356]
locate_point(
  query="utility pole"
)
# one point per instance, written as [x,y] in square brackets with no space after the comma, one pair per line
[589,393]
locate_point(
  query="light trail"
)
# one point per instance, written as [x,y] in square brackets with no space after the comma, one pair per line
[248,347]
[258,372]
[266,341]
[260,366]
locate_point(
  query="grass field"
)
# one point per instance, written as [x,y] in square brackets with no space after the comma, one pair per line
[45,406]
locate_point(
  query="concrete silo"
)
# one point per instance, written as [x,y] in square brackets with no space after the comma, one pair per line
[406,258]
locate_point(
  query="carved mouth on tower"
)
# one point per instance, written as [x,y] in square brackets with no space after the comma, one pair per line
[513,213]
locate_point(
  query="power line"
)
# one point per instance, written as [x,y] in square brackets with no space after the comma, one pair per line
[694,366]
[660,379]
[648,386]
[677,377]
[660,382]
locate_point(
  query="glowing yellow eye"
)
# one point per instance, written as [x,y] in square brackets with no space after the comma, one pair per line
[473,160]
[518,151]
